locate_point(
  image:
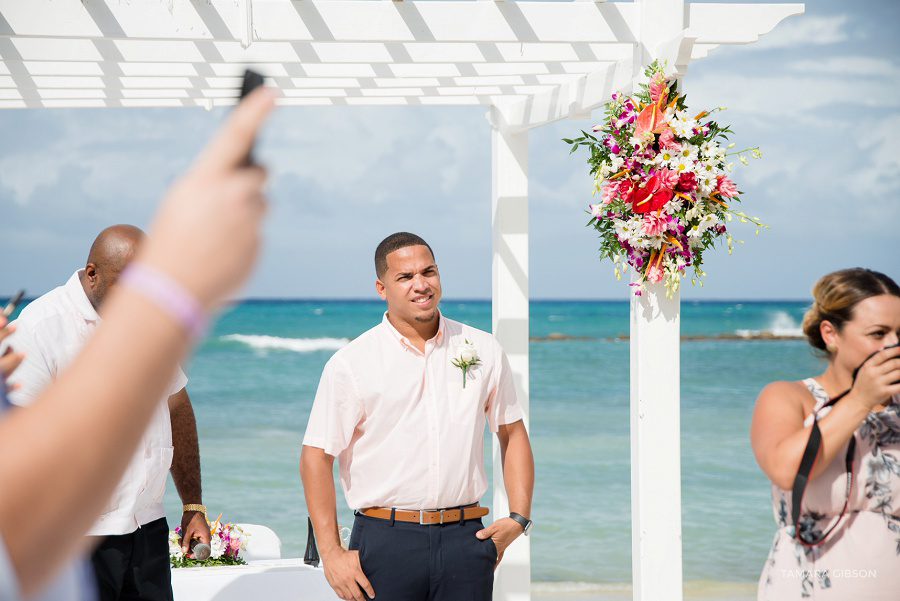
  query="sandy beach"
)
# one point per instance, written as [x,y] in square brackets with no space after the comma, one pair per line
[696,590]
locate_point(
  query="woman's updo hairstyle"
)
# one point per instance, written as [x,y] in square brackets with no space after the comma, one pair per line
[836,295]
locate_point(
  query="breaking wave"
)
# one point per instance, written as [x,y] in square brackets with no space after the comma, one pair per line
[297,345]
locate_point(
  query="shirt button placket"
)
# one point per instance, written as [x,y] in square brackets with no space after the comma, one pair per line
[433,437]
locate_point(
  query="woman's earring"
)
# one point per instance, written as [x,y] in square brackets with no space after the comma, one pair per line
[831,348]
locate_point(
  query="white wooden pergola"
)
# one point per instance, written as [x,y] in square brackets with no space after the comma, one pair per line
[529,63]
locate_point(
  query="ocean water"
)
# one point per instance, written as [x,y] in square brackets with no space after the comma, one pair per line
[253,379]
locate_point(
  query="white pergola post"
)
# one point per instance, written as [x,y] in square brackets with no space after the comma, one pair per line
[656,551]
[509,221]
[655,446]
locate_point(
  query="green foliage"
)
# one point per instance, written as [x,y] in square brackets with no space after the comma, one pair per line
[225,560]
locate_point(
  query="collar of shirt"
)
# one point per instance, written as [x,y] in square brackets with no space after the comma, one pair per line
[430,344]
[76,294]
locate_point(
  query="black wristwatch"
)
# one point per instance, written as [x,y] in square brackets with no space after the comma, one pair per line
[524,522]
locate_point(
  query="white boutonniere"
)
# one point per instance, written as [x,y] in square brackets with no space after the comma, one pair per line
[466,357]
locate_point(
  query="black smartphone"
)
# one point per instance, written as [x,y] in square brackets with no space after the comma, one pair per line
[252,80]
[856,371]
[13,303]
[893,346]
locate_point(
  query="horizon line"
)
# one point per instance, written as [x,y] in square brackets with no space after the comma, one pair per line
[254,299]
[538,300]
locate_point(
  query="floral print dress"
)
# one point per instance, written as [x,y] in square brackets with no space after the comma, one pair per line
[860,559]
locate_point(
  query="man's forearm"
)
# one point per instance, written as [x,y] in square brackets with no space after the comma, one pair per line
[321,501]
[186,457]
[518,468]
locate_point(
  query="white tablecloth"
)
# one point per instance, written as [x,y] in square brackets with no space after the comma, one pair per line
[271,580]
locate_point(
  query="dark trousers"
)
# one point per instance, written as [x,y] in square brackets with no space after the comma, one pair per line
[135,567]
[408,562]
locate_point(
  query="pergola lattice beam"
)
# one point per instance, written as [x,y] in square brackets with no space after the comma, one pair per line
[368,20]
[208,51]
[325,20]
[538,61]
[575,99]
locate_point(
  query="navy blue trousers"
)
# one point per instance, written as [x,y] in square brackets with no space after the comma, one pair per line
[409,562]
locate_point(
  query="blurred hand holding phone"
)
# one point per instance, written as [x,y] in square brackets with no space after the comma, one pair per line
[10,307]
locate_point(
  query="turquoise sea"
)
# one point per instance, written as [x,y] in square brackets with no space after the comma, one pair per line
[253,379]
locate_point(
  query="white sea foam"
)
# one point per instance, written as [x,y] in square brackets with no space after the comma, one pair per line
[298,345]
[580,587]
[780,324]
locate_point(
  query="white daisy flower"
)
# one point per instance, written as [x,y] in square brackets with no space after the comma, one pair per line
[693,236]
[689,152]
[709,149]
[707,221]
[681,164]
[674,205]
[684,125]
[623,230]
[640,243]
[665,157]
[708,168]
[707,183]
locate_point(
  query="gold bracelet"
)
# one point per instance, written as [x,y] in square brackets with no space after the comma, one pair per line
[194,507]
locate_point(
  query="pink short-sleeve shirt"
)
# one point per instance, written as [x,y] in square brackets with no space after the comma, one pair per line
[406,433]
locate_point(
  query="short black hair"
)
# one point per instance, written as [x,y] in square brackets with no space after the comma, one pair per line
[392,243]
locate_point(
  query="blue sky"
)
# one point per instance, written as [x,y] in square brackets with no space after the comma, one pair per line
[820,95]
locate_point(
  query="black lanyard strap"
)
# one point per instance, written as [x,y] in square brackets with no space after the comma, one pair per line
[807,465]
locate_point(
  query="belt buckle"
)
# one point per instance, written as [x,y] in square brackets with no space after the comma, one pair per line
[422,513]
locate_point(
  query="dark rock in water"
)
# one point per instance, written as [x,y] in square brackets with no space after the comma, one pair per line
[762,335]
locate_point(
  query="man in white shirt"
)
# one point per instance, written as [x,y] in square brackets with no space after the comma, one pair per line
[131,560]
[403,407]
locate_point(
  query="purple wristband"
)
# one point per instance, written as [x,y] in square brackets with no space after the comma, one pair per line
[167,294]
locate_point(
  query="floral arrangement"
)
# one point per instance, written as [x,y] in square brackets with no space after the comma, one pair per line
[226,542]
[661,176]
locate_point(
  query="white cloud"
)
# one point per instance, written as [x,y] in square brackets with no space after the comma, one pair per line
[376,155]
[22,174]
[877,179]
[848,65]
[805,30]
[786,97]
[123,156]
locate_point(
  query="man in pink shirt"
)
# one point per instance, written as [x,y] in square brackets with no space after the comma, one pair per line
[403,408]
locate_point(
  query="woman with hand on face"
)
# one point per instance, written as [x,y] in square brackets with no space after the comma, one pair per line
[854,318]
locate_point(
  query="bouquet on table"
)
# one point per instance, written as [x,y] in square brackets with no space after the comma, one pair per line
[662,177]
[226,542]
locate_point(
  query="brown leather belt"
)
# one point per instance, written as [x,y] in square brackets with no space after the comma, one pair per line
[427,518]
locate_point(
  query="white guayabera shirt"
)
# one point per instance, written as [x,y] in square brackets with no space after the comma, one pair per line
[51,331]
